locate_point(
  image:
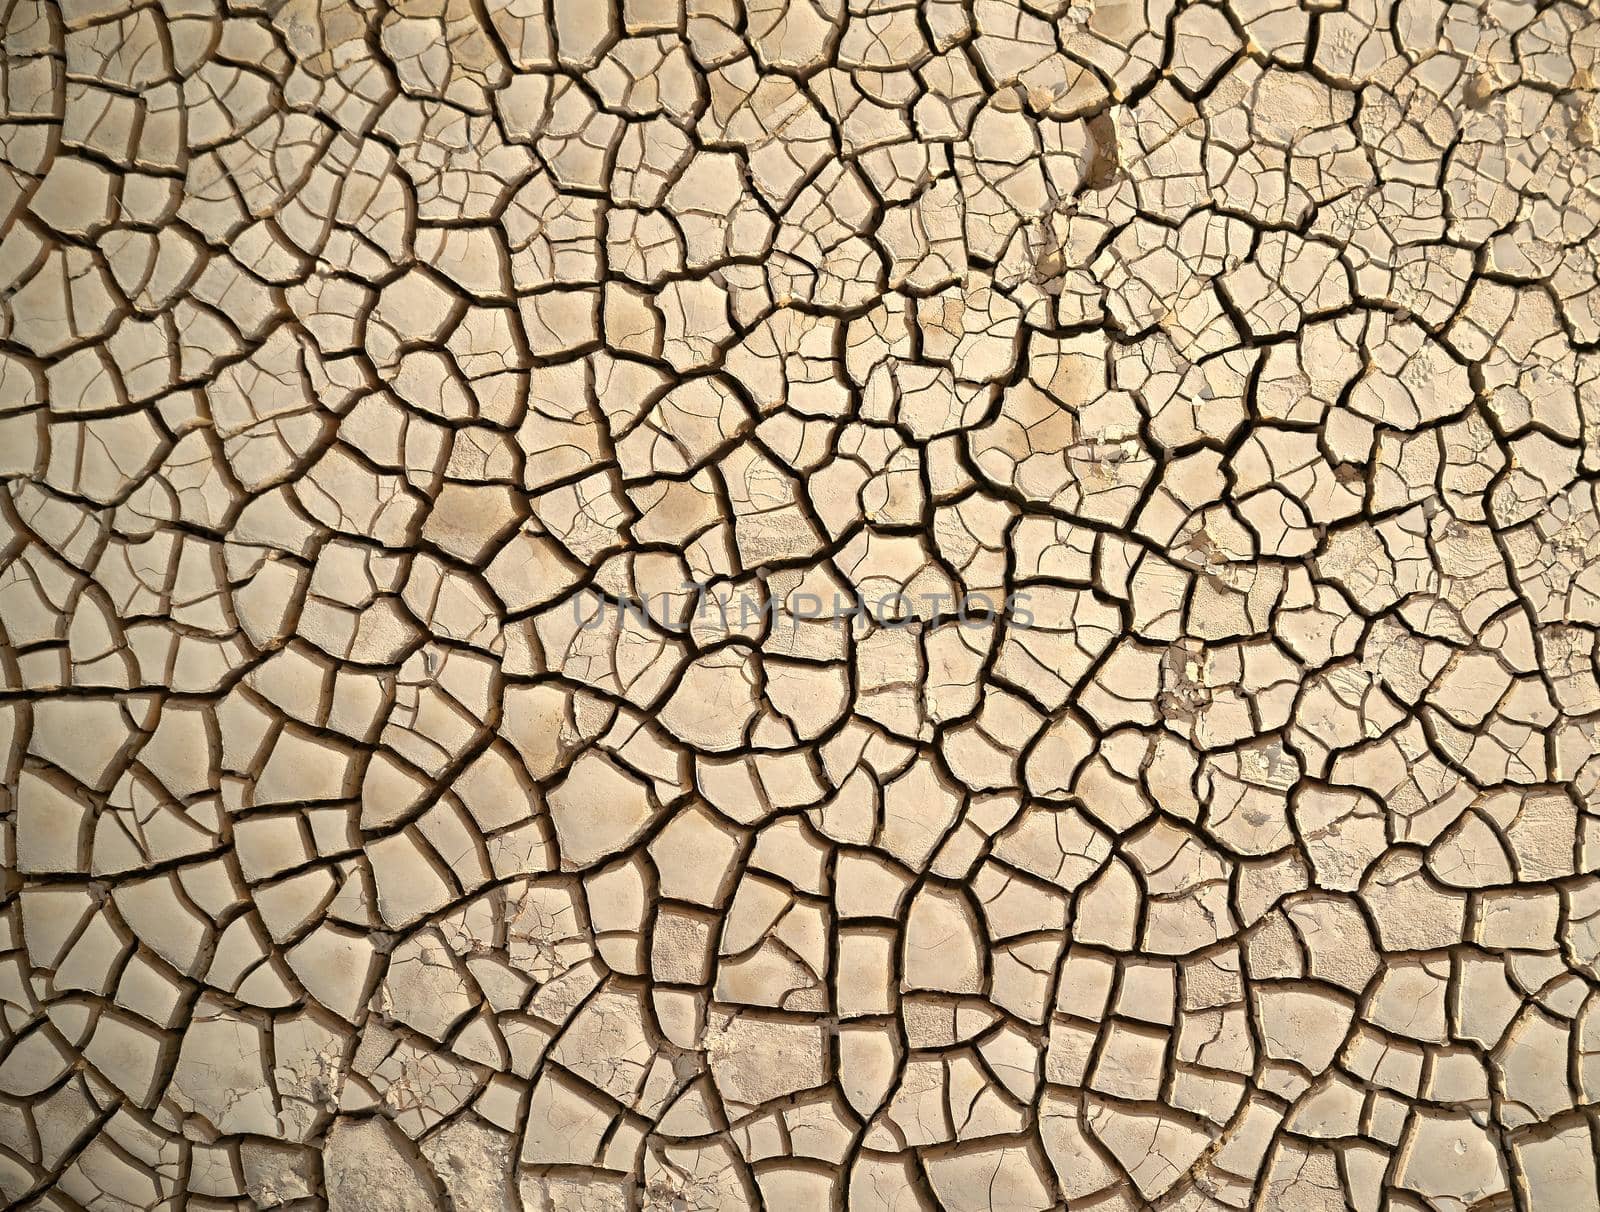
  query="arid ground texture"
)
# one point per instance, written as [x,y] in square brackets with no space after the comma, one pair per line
[829,606]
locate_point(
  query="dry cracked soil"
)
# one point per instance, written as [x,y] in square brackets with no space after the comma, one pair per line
[829,606]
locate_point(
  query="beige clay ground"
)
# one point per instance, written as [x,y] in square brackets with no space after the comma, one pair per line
[356,359]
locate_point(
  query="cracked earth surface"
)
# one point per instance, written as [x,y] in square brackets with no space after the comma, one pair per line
[361,362]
